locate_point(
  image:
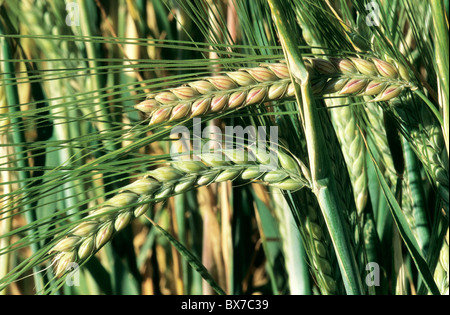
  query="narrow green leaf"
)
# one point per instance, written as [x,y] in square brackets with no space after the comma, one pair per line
[405,232]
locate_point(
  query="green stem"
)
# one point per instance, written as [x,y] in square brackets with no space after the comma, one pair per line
[92,48]
[5,227]
[322,179]
[18,138]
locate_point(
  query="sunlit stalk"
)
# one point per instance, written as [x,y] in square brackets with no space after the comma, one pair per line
[322,181]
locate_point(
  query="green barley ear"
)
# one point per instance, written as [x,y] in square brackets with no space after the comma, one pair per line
[346,125]
[426,138]
[135,199]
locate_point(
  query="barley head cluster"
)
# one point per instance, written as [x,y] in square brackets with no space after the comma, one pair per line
[271,82]
[134,200]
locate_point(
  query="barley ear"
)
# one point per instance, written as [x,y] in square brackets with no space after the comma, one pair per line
[353,148]
[97,229]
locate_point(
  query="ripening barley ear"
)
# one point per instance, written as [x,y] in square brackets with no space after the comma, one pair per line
[271,82]
[82,241]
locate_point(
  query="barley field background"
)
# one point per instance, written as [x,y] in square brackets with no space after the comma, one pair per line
[224,147]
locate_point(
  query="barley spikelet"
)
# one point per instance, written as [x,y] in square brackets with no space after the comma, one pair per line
[271,82]
[116,213]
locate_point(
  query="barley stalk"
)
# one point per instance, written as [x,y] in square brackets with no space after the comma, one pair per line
[378,131]
[294,252]
[134,200]
[271,82]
